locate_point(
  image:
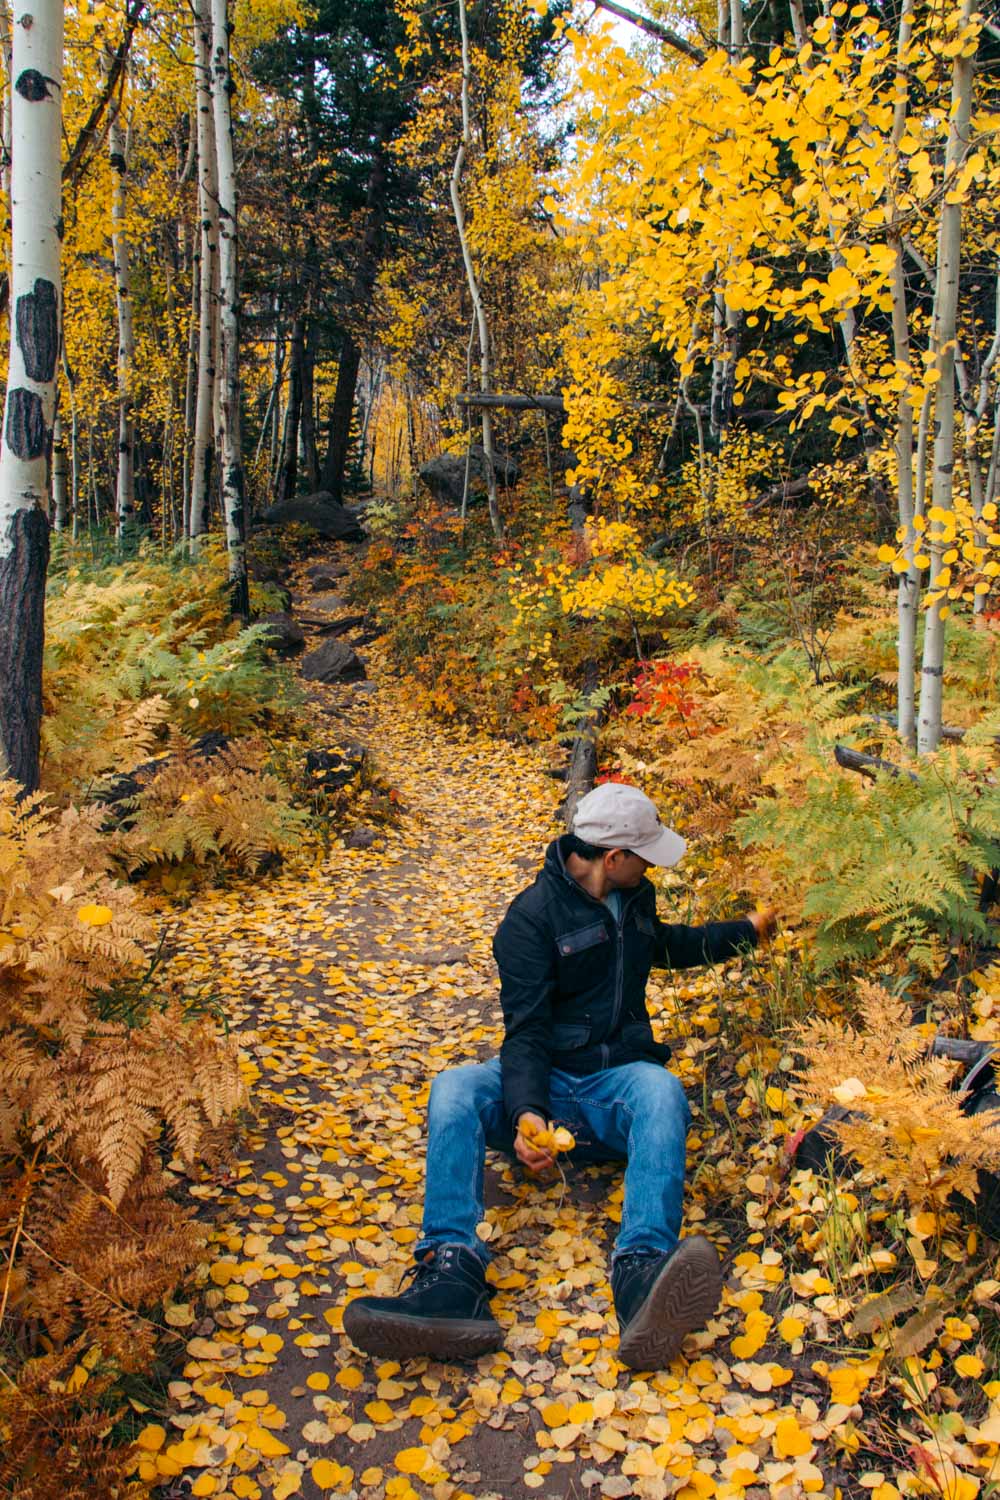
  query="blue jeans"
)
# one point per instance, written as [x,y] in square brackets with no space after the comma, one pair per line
[637,1112]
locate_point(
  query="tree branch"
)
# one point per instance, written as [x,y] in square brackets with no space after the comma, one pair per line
[78,159]
[654,28]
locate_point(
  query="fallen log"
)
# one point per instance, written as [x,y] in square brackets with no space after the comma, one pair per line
[582,769]
[791,489]
[867,765]
[948,731]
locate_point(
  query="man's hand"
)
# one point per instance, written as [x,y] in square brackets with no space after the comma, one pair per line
[765,924]
[528,1155]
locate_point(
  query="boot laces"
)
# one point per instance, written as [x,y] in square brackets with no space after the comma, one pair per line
[429,1269]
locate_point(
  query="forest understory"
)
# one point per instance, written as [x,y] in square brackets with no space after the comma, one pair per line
[416,414]
[855,1345]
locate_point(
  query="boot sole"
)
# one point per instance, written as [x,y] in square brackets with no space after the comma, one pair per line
[398,1334]
[682,1299]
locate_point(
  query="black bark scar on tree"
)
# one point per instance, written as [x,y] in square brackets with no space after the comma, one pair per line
[25,435]
[22,630]
[33,86]
[38,331]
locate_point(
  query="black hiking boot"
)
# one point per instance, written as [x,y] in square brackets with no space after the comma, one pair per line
[443,1313]
[661,1298]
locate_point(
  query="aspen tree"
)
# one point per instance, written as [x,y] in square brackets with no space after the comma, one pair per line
[201,461]
[908,586]
[231,457]
[36,222]
[475,291]
[118,159]
[943,340]
[60,476]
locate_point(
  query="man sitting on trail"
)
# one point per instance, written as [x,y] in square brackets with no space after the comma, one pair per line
[574,953]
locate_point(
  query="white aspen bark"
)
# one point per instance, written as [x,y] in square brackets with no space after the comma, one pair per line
[231,455]
[201,461]
[908,586]
[470,274]
[60,476]
[36,228]
[736,28]
[118,159]
[943,339]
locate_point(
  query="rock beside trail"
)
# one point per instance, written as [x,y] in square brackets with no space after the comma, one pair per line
[326,575]
[361,838]
[444,476]
[285,635]
[328,770]
[333,661]
[335,522]
[327,604]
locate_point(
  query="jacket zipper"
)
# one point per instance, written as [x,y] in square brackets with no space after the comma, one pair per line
[620,967]
[619,956]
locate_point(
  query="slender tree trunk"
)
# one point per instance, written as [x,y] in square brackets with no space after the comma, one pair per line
[74,442]
[485,380]
[307,420]
[943,338]
[60,474]
[232,477]
[168,516]
[341,410]
[120,250]
[36,224]
[908,586]
[276,421]
[190,380]
[201,461]
[289,465]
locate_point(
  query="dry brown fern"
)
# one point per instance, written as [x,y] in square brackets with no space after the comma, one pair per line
[906,1126]
[56,1440]
[96,1097]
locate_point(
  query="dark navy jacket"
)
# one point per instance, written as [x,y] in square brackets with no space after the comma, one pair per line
[573,980]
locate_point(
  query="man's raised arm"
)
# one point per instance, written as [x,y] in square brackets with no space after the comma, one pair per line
[682,947]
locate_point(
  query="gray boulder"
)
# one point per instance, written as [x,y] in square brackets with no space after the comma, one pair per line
[444,476]
[335,522]
[285,635]
[327,604]
[333,661]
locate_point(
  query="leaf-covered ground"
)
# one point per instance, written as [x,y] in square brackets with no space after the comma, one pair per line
[353,978]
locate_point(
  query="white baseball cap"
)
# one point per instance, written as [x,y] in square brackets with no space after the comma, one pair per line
[615,816]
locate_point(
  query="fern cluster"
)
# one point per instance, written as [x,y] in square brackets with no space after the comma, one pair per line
[132,649]
[905,1124]
[193,809]
[94,1102]
[884,869]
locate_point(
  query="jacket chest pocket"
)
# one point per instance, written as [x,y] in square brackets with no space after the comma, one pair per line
[642,946]
[583,956]
[645,928]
